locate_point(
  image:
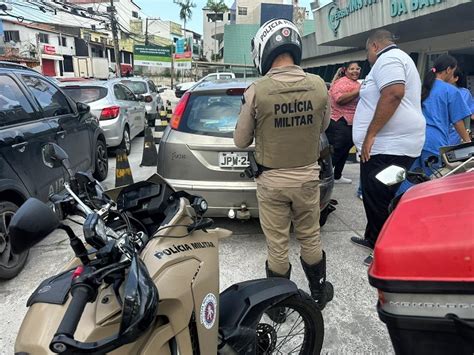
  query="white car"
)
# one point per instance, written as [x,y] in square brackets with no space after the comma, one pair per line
[183,87]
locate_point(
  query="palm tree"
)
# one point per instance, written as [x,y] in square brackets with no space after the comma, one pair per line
[185,11]
[217,7]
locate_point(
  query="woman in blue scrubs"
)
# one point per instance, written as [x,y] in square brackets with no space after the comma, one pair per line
[459,80]
[443,106]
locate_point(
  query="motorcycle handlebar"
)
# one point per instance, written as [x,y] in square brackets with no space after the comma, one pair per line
[81,294]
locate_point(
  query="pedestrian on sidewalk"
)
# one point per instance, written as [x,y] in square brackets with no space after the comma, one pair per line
[389,127]
[344,94]
[287,154]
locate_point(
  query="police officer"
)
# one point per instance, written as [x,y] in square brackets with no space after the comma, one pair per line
[285,111]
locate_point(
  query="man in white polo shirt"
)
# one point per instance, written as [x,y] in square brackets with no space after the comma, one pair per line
[389,127]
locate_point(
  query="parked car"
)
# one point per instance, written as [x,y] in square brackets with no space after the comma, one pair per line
[33,113]
[197,152]
[146,88]
[120,112]
[183,87]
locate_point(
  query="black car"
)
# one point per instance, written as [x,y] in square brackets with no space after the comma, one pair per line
[34,112]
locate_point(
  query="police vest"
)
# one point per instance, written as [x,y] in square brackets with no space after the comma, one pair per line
[288,121]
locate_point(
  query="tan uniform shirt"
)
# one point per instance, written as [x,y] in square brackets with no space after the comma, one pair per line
[245,131]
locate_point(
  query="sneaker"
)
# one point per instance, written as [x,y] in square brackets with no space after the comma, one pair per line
[343,180]
[361,242]
[368,260]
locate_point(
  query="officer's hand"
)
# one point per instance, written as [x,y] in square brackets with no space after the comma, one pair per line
[366,148]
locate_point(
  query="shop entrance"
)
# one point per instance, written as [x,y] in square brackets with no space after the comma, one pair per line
[48,67]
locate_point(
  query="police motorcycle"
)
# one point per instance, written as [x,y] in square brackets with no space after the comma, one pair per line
[454,160]
[146,280]
[423,258]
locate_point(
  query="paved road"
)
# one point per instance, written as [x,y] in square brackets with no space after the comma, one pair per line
[351,322]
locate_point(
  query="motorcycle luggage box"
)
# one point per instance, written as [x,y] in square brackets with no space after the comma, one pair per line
[424,268]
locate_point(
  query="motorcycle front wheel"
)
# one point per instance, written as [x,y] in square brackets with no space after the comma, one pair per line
[302,332]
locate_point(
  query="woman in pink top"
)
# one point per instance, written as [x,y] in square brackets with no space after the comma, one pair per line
[344,94]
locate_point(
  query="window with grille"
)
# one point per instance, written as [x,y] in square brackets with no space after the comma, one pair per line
[44,38]
[242,11]
[62,41]
[11,36]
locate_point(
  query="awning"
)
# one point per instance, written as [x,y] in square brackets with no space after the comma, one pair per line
[333,59]
[52,57]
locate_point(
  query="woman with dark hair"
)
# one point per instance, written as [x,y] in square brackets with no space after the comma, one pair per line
[442,106]
[344,95]
[459,80]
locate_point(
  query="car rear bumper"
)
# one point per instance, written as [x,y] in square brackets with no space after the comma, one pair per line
[113,132]
[224,196]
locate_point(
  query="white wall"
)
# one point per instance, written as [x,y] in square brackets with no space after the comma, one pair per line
[208,42]
[28,40]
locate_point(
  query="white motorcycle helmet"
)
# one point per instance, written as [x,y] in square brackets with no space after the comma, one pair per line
[272,39]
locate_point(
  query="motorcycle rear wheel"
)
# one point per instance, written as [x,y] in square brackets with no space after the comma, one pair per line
[301,333]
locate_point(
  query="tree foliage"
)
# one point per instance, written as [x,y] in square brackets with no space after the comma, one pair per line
[185,10]
[217,6]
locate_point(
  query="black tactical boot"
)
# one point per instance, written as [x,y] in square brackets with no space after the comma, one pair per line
[278,314]
[322,291]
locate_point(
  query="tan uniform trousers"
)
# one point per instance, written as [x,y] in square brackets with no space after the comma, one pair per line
[278,208]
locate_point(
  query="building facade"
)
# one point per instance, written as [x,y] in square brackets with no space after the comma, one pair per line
[423,28]
[52,51]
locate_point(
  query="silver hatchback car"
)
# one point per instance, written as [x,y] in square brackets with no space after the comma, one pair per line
[121,113]
[146,88]
[197,152]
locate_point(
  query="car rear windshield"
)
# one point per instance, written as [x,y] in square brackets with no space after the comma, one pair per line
[86,94]
[214,115]
[137,87]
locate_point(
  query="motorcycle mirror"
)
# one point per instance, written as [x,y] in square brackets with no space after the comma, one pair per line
[140,301]
[391,175]
[33,221]
[55,156]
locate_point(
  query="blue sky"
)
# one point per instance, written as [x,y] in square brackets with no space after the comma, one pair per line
[167,10]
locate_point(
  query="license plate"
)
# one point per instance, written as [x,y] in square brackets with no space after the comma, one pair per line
[234,160]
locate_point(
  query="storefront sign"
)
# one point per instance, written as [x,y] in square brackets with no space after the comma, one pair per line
[175,28]
[47,49]
[399,7]
[336,14]
[152,56]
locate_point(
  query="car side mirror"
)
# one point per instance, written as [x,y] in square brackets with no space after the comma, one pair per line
[54,156]
[391,175]
[82,108]
[33,221]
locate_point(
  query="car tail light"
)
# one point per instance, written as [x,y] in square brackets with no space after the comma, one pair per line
[109,113]
[148,98]
[179,111]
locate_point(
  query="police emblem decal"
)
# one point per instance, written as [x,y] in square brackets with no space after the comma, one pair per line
[285,32]
[208,311]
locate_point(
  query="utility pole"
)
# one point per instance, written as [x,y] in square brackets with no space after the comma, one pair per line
[146,32]
[113,23]
[172,65]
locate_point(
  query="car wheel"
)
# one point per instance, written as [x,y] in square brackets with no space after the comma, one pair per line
[101,161]
[10,263]
[126,143]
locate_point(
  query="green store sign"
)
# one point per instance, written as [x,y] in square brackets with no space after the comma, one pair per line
[397,8]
